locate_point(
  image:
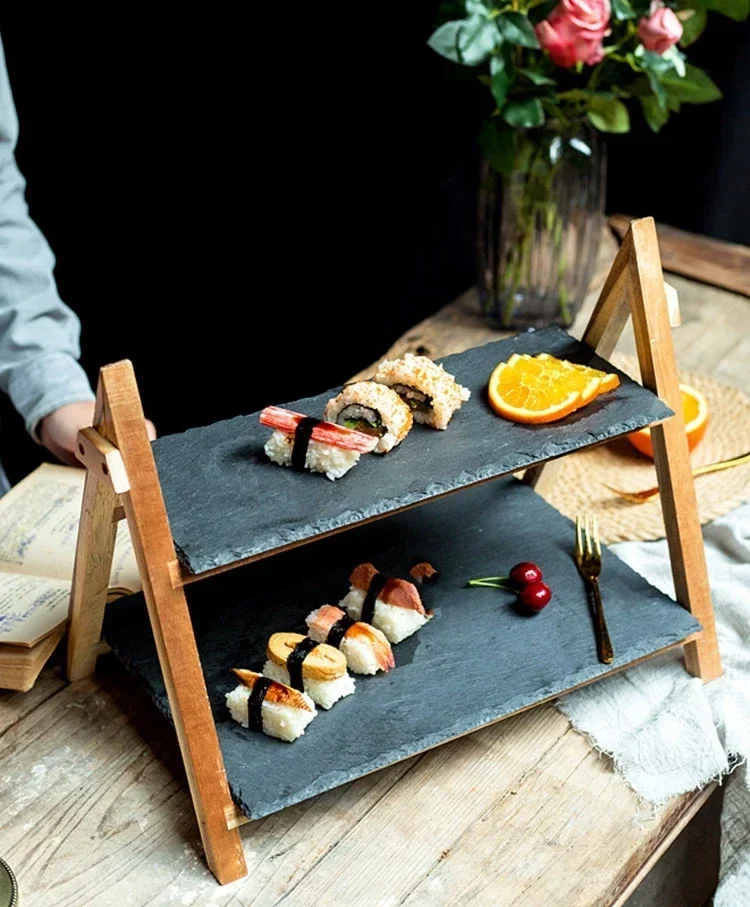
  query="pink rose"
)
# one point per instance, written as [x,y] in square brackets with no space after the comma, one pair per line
[575,31]
[661,30]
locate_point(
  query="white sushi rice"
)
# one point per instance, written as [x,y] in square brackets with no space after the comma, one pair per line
[324,693]
[335,462]
[395,623]
[359,656]
[281,721]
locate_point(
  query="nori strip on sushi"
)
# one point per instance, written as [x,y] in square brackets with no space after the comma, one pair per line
[255,703]
[294,662]
[302,436]
[338,630]
[377,584]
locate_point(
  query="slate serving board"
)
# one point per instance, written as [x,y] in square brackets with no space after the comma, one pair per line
[477,660]
[227,502]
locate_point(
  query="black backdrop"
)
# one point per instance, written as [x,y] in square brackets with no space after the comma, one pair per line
[253,208]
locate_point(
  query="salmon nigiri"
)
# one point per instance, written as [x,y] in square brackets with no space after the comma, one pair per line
[392,605]
[365,648]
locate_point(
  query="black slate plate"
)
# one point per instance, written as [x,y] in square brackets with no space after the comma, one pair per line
[227,502]
[476,661]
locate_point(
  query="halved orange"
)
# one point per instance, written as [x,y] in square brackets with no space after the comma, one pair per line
[695,413]
[609,381]
[527,389]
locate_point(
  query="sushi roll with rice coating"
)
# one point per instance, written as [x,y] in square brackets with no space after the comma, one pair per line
[268,706]
[365,648]
[311,667]
[392,605]
[372,409]
[432,394]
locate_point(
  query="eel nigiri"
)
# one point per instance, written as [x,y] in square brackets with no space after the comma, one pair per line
[392,605]
[271,707]
[365,648]
[304,664]
[306,443]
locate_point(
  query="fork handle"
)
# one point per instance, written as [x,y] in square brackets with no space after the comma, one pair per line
[603,644]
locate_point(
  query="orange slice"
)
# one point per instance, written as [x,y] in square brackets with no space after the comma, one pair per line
[525,389]
[609,381]
[695,413]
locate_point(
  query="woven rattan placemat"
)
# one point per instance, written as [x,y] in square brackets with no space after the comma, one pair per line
[581,483]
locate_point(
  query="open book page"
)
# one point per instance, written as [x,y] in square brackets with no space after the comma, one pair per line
[31,607]
[39,528]
[38,532]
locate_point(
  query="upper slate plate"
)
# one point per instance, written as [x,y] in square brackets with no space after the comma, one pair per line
[474,662]
[227,502]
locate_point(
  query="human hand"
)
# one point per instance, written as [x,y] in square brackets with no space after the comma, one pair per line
[59,430]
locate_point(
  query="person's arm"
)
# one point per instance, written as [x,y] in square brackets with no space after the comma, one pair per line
[38,333]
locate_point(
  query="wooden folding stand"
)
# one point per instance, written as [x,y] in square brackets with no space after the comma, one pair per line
[122,481]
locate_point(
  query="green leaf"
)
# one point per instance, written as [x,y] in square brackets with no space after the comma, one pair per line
[693,21]
[498,144]
[500,79]
[654,113]
[676,59]
[516,29]
[477,38]
[694,88]
[536,77]
[444,40]
[621,10]
[733,9]
[608,114]
[525,114]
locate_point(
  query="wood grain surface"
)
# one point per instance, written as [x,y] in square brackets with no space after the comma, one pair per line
[96,810]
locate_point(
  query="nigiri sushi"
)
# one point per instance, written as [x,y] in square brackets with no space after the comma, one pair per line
[392,605]
[304,664]
[373,409]
[365,648]
[432,394]
[306,443]
[271,707]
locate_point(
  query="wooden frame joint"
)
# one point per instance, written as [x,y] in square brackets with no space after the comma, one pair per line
[102,459]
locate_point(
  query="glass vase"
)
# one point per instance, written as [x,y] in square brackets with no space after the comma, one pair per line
[539,228]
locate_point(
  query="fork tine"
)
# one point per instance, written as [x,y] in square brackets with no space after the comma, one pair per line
[587,535]
[579,536]
[595,535]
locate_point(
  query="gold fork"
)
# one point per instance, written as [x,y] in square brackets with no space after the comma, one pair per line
[648,494]
[589,562]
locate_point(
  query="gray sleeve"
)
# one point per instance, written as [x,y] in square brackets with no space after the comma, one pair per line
[38,332]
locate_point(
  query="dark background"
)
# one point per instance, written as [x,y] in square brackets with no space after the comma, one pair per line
[253,210]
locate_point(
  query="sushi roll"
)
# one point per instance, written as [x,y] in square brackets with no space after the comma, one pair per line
[365,648]
[391,605]
[306,443]
[373,409]
[271,707]
[306,665]
[432,394]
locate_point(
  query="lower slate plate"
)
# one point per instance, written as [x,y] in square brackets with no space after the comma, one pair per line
[477,661]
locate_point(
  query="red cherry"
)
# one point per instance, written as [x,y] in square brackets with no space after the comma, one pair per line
[535,596]
[524,573]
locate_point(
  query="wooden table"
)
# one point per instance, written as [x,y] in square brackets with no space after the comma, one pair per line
[95,810]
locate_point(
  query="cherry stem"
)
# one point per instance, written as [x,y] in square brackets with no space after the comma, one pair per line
[492,582]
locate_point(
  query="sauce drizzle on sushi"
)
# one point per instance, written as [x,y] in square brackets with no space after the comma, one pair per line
[296,657]
[255,703]
[377,584]
[338,630]
[302,437]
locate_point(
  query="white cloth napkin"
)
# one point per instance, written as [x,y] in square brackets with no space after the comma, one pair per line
[668,733]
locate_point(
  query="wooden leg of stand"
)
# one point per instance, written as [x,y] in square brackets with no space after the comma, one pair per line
[653,338]
[93,565]
[172,626]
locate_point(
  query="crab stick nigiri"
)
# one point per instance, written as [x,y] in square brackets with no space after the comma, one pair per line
[306,443]
[268,706]
[392,605]
[365,648]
